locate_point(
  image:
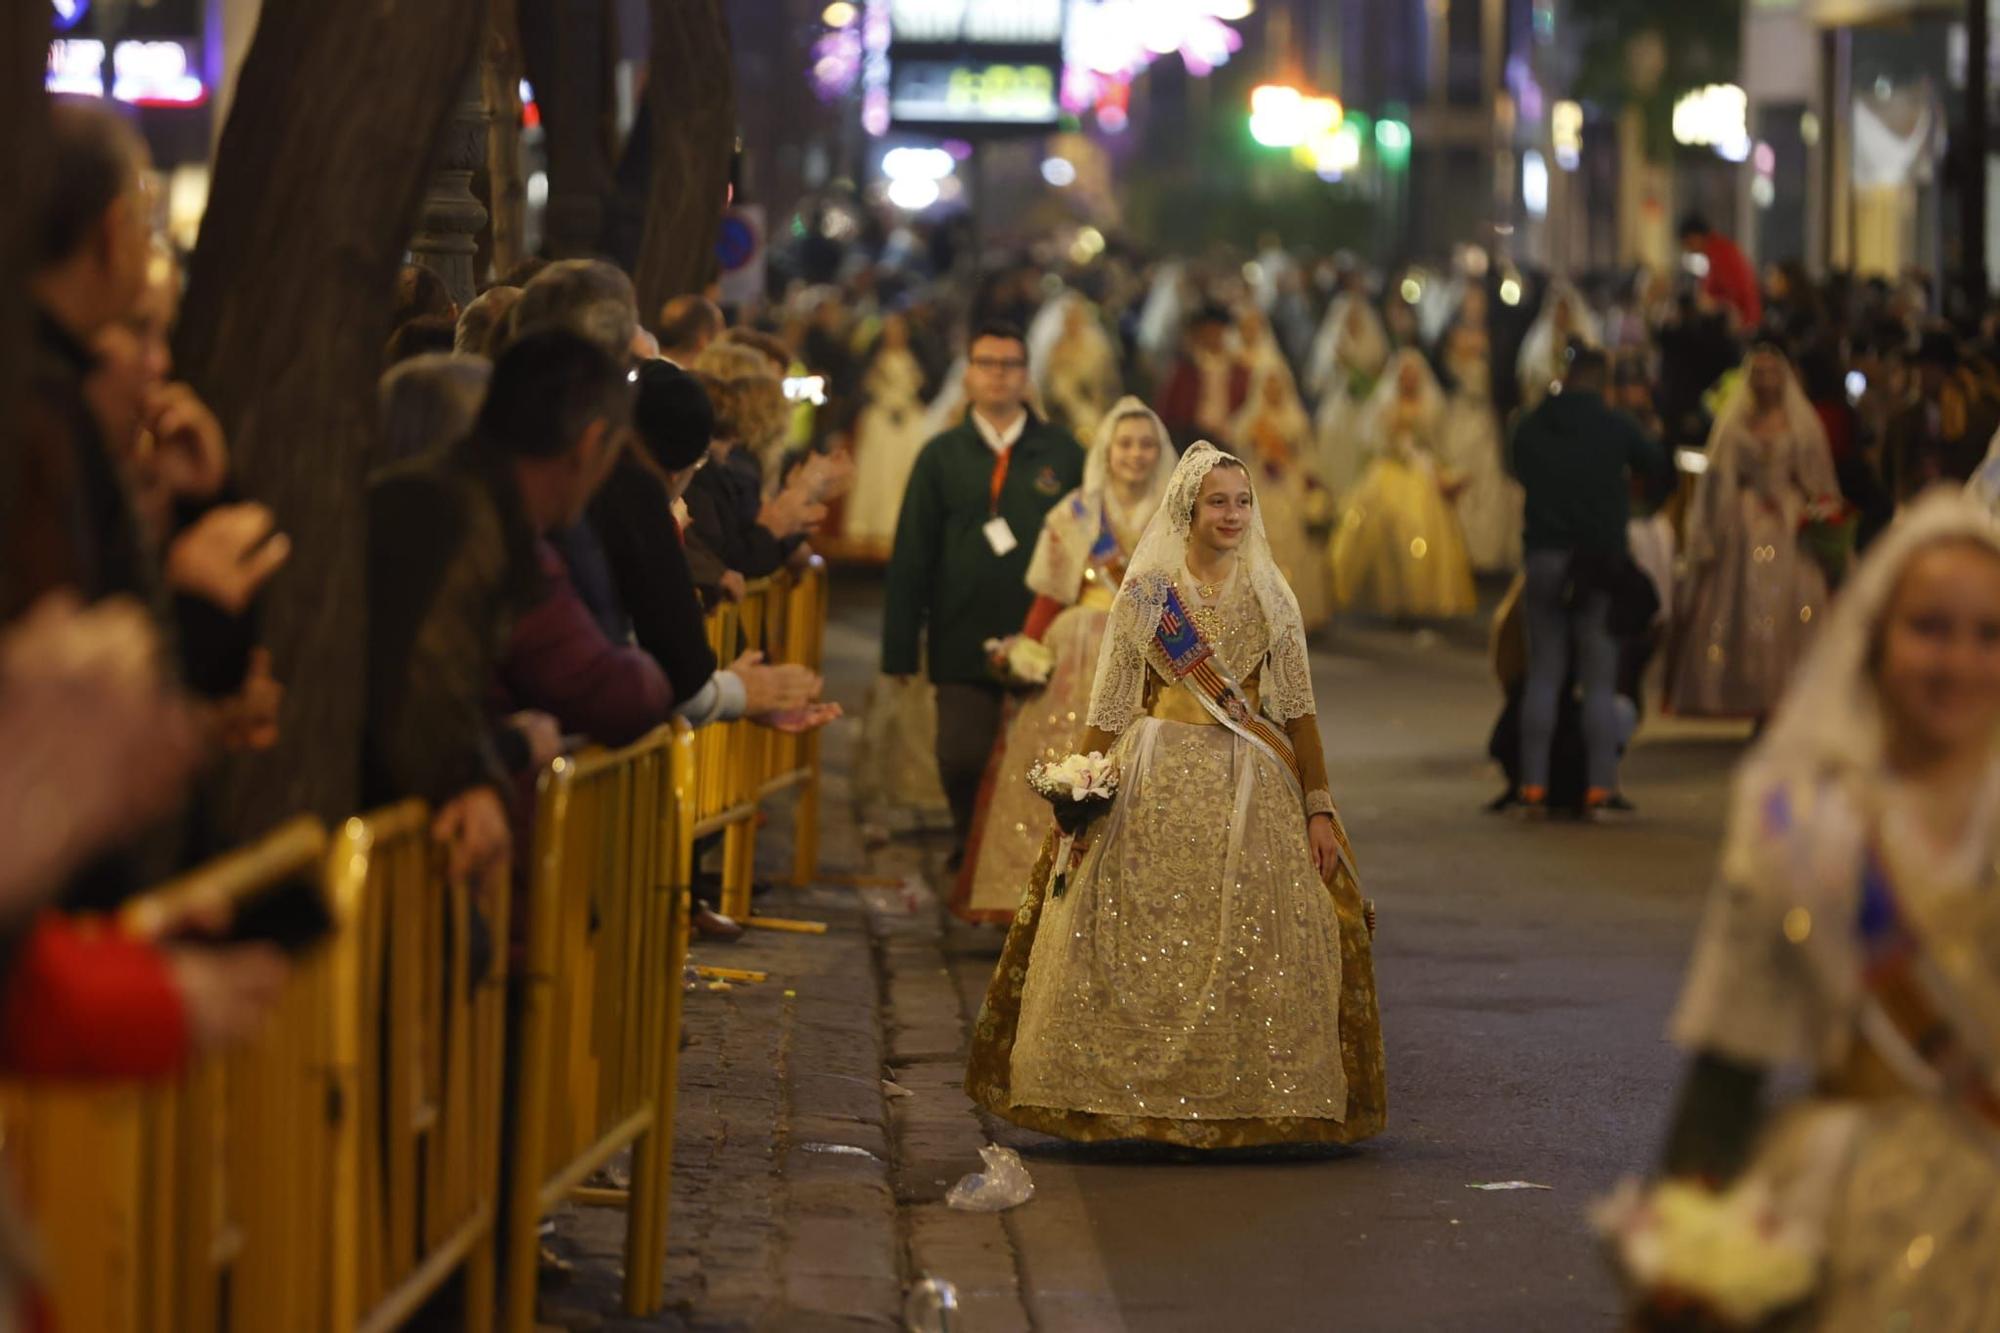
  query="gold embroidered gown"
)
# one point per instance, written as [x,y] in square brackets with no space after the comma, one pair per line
[1196,984]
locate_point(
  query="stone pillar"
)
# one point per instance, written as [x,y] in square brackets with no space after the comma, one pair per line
[448,226]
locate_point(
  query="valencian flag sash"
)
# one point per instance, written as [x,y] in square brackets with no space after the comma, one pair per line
[1914,1016]
[1913,992]
[1194,664]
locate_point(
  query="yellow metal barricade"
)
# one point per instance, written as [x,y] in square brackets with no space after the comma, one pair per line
[419,1055]
[206,1203]
[597,1032]
[739,764]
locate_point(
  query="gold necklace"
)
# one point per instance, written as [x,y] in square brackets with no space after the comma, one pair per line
[1209,591]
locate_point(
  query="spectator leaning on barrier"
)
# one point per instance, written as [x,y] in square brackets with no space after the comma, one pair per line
[596,301]
[452,561]
[751,536]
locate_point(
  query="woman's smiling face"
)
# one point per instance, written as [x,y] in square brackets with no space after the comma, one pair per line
[1222,509]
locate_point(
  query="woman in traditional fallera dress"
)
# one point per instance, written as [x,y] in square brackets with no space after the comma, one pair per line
[1073,364]
[1079,561]
[1855,933]
[888,436]
[1274,434]
[1205,977]
[1754,594]
[1400,550]
[1564,318]
[1489,501]
[1347,359]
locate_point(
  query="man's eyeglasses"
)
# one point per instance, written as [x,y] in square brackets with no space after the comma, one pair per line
[998,363]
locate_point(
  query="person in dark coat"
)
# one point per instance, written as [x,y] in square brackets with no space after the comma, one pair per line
[958,574]
[1576,458]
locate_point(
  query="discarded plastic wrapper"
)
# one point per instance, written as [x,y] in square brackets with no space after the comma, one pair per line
[1003,1184]
[839,1150]
[931,1307]
[1509,1185]
[891,1088]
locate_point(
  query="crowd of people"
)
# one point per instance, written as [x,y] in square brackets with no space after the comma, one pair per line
[552,506]
[1779,488]
[1684,468]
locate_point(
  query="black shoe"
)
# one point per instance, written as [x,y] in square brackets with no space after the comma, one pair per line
[1504,802]
[1616,804]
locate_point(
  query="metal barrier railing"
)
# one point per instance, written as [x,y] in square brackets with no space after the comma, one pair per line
[594,1039]
[341,1170]
[740,764]
[419,1053]
[204,1203]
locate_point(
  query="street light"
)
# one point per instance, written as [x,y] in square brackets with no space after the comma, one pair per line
[1392,137]
[1277,116]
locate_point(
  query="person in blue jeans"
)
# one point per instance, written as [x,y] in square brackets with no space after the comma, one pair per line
[1575,457]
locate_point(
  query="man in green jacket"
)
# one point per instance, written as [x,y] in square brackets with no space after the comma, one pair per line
[973,510]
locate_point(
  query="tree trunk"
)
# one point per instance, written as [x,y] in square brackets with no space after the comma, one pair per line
[506,196]
[567,47]
[693,95]
[24,147]
[338,112]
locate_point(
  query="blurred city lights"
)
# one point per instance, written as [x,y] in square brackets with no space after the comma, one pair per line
[1059,172]
[922,164]
[1566,133]
[1510,291]
[1277,116]
[1534,184]
[1108,43]
[1412,290]
[1717,117]
[839,14]
[913,194]
[1393,138]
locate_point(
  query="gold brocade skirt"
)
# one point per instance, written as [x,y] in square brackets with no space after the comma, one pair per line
[1119,1042]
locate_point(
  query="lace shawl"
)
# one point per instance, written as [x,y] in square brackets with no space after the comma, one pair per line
[1119,695]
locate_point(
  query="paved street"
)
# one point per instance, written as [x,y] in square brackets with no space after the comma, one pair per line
[1525,973]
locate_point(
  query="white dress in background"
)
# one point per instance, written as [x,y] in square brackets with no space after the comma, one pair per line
[887,439]
[1489,501]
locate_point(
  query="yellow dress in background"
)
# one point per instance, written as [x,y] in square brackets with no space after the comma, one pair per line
[1400,549]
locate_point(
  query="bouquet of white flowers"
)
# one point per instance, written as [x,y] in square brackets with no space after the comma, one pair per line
[1079,788]
[1019,662]
[1733,1256]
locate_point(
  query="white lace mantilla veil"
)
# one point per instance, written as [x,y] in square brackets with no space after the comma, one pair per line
[1830,721]
[1538,348]
[1057,571]
[1119,694]
[1717,486]
[1375,412]
[1370,348]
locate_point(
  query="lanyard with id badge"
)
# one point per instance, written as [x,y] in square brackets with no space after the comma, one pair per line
[998,534]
